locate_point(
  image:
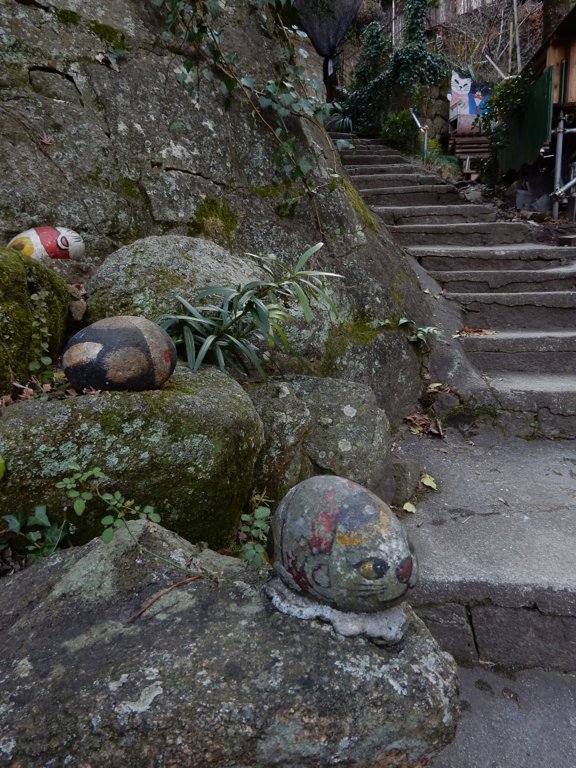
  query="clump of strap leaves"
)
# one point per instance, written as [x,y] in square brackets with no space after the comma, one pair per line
[194,30]
[229,326]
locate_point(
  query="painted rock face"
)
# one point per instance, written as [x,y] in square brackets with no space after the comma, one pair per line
[119,353]
[337,542]
[48,242]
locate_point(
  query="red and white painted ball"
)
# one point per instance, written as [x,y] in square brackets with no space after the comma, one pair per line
[48,242]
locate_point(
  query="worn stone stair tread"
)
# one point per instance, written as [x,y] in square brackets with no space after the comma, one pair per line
[534,385]
[510,256]
[460,212]
[518,279]
[522,351]
[401,169]
[394,180]
[418,189]
[523,720]
[470,233]
[497,544]
[532,298]
[371,170]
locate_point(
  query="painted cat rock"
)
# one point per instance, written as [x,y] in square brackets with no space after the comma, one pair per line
[42,243]
[334,541]
[119,353]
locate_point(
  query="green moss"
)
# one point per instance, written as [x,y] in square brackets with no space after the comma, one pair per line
[111,35]
[20,277]
[188,450]
[359,206]
[216,220]
[129,188]
[65,16]
[340,338]
[271,191]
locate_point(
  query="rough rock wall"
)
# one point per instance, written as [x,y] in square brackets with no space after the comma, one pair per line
[122,152]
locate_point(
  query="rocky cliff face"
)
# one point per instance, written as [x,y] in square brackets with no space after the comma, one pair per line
[98,135]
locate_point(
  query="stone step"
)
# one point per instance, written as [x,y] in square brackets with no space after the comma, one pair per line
[370,158]
[413,196]
[436,214]
[497,547]
[498,233]
[514,256]
[372,149]
[516,311]
[356,140]
[537,405]
[367,178]
[506,281]
[371,170]
[522,351]
[381,182]
[390,174]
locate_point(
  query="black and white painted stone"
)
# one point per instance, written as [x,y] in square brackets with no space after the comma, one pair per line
[119,353]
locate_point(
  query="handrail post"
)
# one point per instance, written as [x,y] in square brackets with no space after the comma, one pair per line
[558,165]
[423,129]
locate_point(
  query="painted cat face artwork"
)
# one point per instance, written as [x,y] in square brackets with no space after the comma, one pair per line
[459,95]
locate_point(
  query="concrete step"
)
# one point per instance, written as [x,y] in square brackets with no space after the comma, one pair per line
[436,214]
[519,256]
[381,182]
[371,170]
[522,351]
[496,545]
[517,311]
[498,233]
[413,196]
[372,149]
[370,179]
[370,158]
[537,405]
[507,281]
[524,720]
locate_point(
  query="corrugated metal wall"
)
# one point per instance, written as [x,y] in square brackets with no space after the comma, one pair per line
[532,126]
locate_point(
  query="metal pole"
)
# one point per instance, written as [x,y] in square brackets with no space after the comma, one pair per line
[517,35]
[425,129]
[558,164]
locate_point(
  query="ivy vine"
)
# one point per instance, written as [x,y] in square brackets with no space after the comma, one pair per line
[382,75]
[192,29]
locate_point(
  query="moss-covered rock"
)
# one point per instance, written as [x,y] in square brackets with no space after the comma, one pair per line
[146,277]
[29,293]
[188,450]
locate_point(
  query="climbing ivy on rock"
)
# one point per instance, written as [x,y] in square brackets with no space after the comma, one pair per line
[402,74]
[193,29]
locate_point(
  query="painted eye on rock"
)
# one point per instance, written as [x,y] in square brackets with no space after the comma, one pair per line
[373,568]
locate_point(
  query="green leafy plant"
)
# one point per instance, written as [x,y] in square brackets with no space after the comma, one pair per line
[41,364]
[254,529]
[399,130]
[420,337]
[83,485]
[385,79]
[33,533]
[193,30]
[227,330]
[38,535]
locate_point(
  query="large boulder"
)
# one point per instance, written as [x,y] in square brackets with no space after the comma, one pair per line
[122,152]
[208,675]
[33,309]
[188,450]
[145,278]
[319,426]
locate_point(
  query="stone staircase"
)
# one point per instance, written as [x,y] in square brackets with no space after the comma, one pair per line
[519,294]
[497,540]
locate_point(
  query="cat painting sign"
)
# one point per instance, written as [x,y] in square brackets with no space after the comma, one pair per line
[468,100]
